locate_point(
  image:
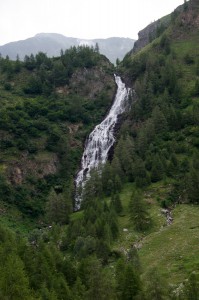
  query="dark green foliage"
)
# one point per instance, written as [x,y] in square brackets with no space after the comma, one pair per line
[58,208]
[139,173]
[193,185]
[79,290]
[6,66]
[128,281]
[139,215]
[95,232]
[196,89]
[13,282]
[197,67]
[159,120]
[107,179]
[34,86]
[93,276]
[137,66]
[165,44]
[156,288]
[50,73]
[6,191]
[185,5]
[131,284]
[7,86]
[116,203]
[29,62]
[92,189]
[188,59]
[157,169]
[35,125]
[160,29]
[191,289]
[17,65]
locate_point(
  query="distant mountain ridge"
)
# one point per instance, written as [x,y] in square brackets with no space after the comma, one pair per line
[52,43]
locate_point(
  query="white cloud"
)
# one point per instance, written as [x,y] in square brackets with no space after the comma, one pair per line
[83,19]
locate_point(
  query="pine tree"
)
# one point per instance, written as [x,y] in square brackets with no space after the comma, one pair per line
[159,120]
[97,47]
[14,283]
[92,189]
[107,180]
[117,169]
[192,287]
[116,203]
[138,212]
[157,170]
[79,290]
[58,208]
[156,288]
[193,185]
[131,285]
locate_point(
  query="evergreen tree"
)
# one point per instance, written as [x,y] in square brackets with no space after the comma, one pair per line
[79,290]
[97,47]
[116,203]
[193,185]
[117,169]
[117,184]
[157,170]
[17,65]
[138,212]
[159,120]
[58,208]
[92,189]
[107,180]
[131,284]
[156,287]
[192,287]
[14,283]
[124,152]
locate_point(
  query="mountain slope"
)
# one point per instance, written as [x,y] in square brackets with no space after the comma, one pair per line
[46,112]
[52,43]
[136,234]
[158,147]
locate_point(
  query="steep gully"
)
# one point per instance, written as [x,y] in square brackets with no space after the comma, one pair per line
[101,139]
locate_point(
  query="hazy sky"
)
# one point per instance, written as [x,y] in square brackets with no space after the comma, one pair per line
[84,19]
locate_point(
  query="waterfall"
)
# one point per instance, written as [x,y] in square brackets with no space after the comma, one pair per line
[101,139]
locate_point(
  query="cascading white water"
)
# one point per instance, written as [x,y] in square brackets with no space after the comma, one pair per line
[101,139]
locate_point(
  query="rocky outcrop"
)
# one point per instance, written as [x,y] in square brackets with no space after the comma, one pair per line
[91,82]
[189,17]
[41,166]
[149,33]
[167,213]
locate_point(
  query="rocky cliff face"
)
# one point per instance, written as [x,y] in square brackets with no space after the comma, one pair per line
[91,82]
[149,33]
[189,17]
[38,166]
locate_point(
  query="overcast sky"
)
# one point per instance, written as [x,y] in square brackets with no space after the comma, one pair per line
[86,19]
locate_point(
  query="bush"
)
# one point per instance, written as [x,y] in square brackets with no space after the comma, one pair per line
[7,86]
[188,59]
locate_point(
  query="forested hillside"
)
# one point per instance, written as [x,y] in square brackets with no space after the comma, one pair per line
[48,106]
[136,234]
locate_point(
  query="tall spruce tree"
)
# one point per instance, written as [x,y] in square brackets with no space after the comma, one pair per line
[139,215]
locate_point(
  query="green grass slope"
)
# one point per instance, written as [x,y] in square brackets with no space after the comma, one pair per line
[171,249]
